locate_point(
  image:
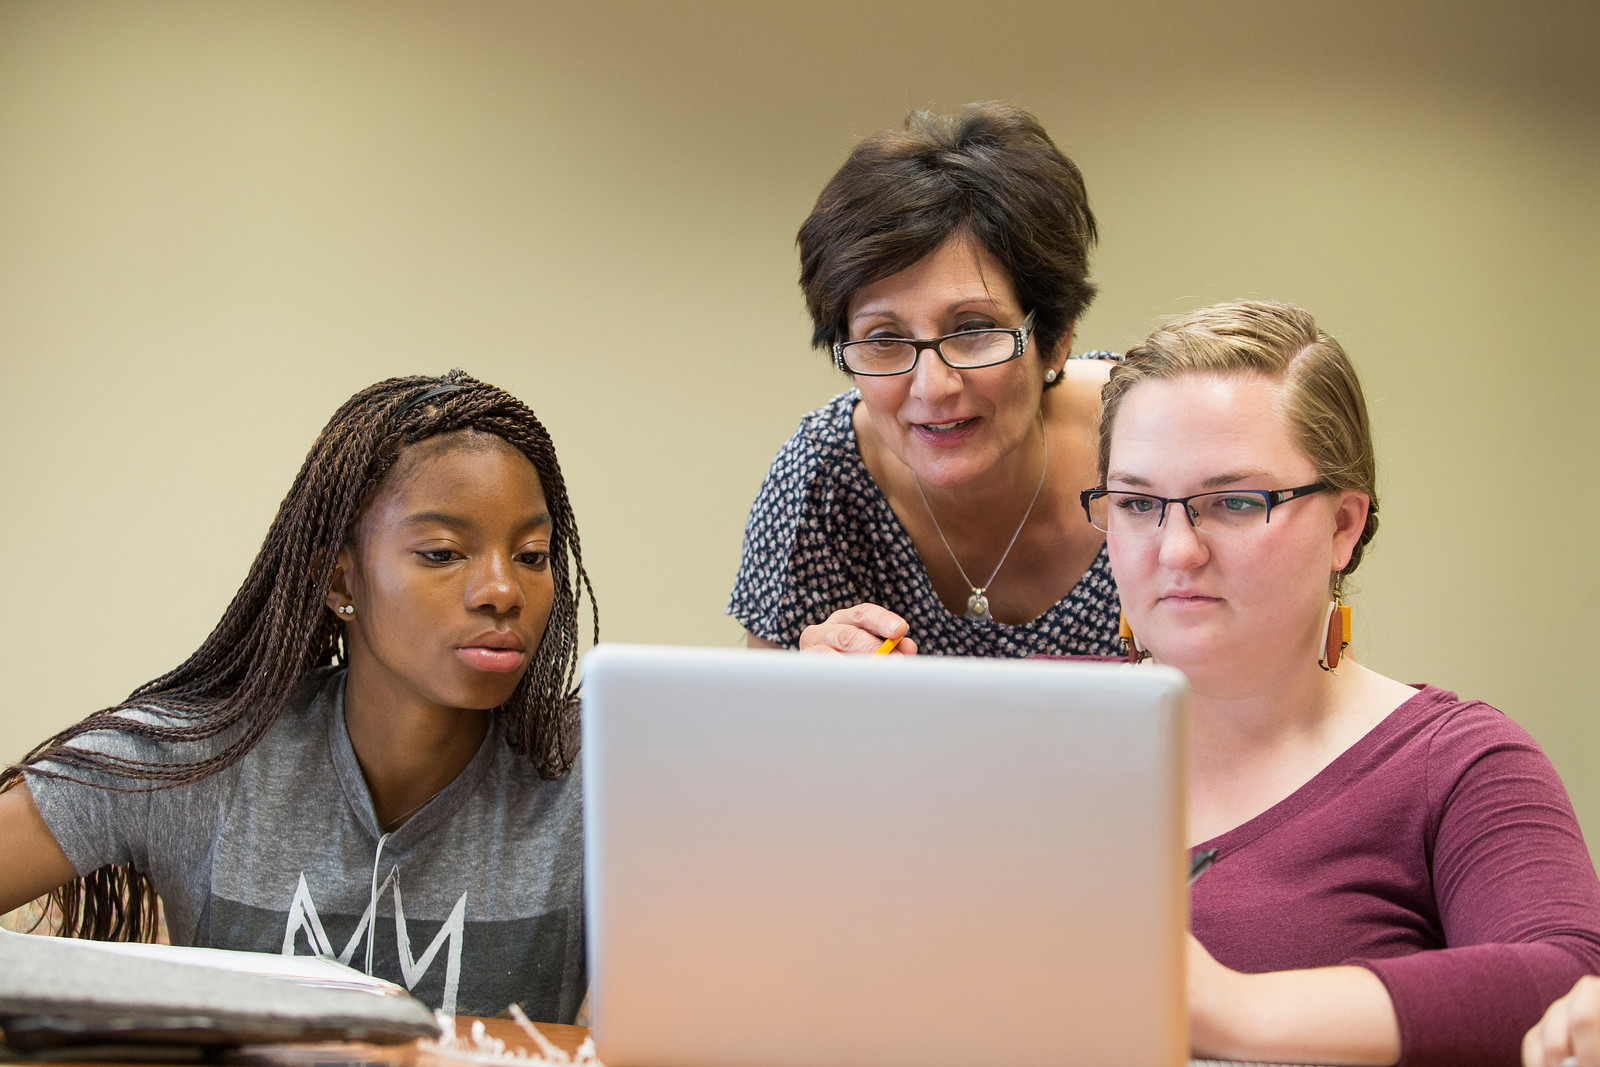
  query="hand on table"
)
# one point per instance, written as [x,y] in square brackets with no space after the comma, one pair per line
[1569,1033]
[861,630]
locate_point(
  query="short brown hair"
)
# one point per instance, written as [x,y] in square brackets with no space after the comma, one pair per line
[991,172]
[1322,396]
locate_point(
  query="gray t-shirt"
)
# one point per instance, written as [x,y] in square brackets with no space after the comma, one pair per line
[475,903]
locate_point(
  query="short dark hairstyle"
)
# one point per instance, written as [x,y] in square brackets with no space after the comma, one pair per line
[991,172]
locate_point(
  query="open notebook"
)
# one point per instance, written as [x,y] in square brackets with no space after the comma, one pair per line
[100,1000]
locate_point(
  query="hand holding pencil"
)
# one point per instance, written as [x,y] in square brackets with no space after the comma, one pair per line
[865,629]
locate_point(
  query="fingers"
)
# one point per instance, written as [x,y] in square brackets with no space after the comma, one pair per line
[1583,1021]
[1545,1044]
[814,639]
[880,622]
[860,630]
[1569,1033]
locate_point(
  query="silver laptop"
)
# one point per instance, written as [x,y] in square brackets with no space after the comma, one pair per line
[831,861]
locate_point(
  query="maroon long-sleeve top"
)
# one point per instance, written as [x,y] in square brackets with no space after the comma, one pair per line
[1441,852]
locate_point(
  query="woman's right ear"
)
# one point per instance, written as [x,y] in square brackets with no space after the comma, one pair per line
[338,598]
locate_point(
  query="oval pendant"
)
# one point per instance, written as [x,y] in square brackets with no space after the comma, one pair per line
[978,607]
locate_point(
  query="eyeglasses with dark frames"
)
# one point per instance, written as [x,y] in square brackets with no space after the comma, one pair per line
[1113,511]
[882,357]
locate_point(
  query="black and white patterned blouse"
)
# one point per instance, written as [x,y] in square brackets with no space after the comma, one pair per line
[822,536]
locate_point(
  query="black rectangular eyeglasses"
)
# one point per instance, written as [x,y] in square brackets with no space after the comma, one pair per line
[1114,511]
[881,357]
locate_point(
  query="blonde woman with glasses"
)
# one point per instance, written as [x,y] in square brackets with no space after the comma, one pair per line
[1398,873]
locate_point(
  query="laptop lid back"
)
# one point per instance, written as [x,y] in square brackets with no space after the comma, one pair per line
[826,860]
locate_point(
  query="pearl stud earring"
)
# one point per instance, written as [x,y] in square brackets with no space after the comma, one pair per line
[1050,375]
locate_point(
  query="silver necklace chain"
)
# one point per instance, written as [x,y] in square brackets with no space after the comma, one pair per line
[399,820]
[978,602]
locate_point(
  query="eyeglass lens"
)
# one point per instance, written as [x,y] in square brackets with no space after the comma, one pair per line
[1137,513]
[973,348]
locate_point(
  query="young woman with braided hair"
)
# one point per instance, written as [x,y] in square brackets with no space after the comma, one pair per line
[373,756]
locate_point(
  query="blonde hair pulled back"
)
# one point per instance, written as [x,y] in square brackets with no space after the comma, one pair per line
[1320,394]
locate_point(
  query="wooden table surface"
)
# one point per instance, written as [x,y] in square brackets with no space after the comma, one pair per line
[352,1054]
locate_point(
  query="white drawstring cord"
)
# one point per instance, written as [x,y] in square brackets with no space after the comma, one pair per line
[372,907]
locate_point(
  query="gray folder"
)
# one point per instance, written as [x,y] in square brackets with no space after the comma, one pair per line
[65,996]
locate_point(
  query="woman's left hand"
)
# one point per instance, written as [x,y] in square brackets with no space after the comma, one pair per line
[1569,1033]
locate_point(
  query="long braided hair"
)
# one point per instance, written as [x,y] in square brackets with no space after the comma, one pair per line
[278,627]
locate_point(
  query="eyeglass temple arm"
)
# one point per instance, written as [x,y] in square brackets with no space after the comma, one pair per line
[1281,496]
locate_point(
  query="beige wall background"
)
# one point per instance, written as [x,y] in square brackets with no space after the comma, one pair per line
[219,219]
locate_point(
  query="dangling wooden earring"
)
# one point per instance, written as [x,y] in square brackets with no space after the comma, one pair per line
[1130,643]
[1338,635]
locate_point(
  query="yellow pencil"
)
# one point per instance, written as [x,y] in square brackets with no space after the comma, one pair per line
[887,646]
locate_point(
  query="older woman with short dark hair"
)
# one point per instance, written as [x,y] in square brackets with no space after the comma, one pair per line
[945,266]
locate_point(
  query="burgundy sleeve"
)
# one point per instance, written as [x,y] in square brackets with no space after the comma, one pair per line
[1518,899]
